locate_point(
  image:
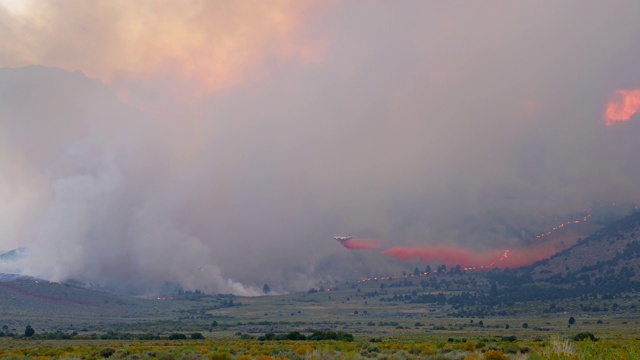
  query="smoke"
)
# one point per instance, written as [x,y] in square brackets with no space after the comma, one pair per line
[154,51]
[101,214]
[221,145]
[361,244]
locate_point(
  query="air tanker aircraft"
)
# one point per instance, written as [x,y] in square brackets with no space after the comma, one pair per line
[343,238]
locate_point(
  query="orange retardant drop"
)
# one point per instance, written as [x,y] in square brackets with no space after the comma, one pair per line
[623,107]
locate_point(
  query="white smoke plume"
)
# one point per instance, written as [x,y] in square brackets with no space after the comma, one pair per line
[221,145]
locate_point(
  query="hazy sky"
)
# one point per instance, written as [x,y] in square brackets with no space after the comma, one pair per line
[221,144]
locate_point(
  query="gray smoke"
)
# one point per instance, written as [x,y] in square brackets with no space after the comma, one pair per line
[419,124]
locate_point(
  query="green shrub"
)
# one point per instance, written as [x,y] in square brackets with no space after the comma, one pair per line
[495,355]
[121,353]
[585,335]
[525,350]
[107,352]
[296,335]
[330,335]
[191,356]
[511,349]
[220,356]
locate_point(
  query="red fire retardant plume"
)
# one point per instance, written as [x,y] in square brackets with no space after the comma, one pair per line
[452,256]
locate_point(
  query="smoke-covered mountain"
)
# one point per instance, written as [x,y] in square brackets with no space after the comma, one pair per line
[13,255]
[12,277]
[8,257]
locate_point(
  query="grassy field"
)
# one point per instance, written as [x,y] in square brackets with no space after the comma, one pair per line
[342,311]
[424,348]
[94,325]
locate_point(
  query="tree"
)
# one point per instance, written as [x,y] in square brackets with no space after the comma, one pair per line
[416,271]
[572,321]
[427,269]
[525,325]
[266,289]
[197,336]
[457,269]
[28,331]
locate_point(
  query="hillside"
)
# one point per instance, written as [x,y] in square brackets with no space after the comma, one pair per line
[596,277]
[52,306]
[610,254]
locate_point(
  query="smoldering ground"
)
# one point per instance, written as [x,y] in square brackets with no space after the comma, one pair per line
[224,154]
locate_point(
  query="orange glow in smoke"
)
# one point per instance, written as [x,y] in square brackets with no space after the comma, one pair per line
[137,47]
[624,105]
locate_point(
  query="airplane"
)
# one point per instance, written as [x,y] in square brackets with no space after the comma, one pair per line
[343,238]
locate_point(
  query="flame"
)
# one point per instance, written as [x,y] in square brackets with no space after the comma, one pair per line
[502,258]
[624,105]
[562,225]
